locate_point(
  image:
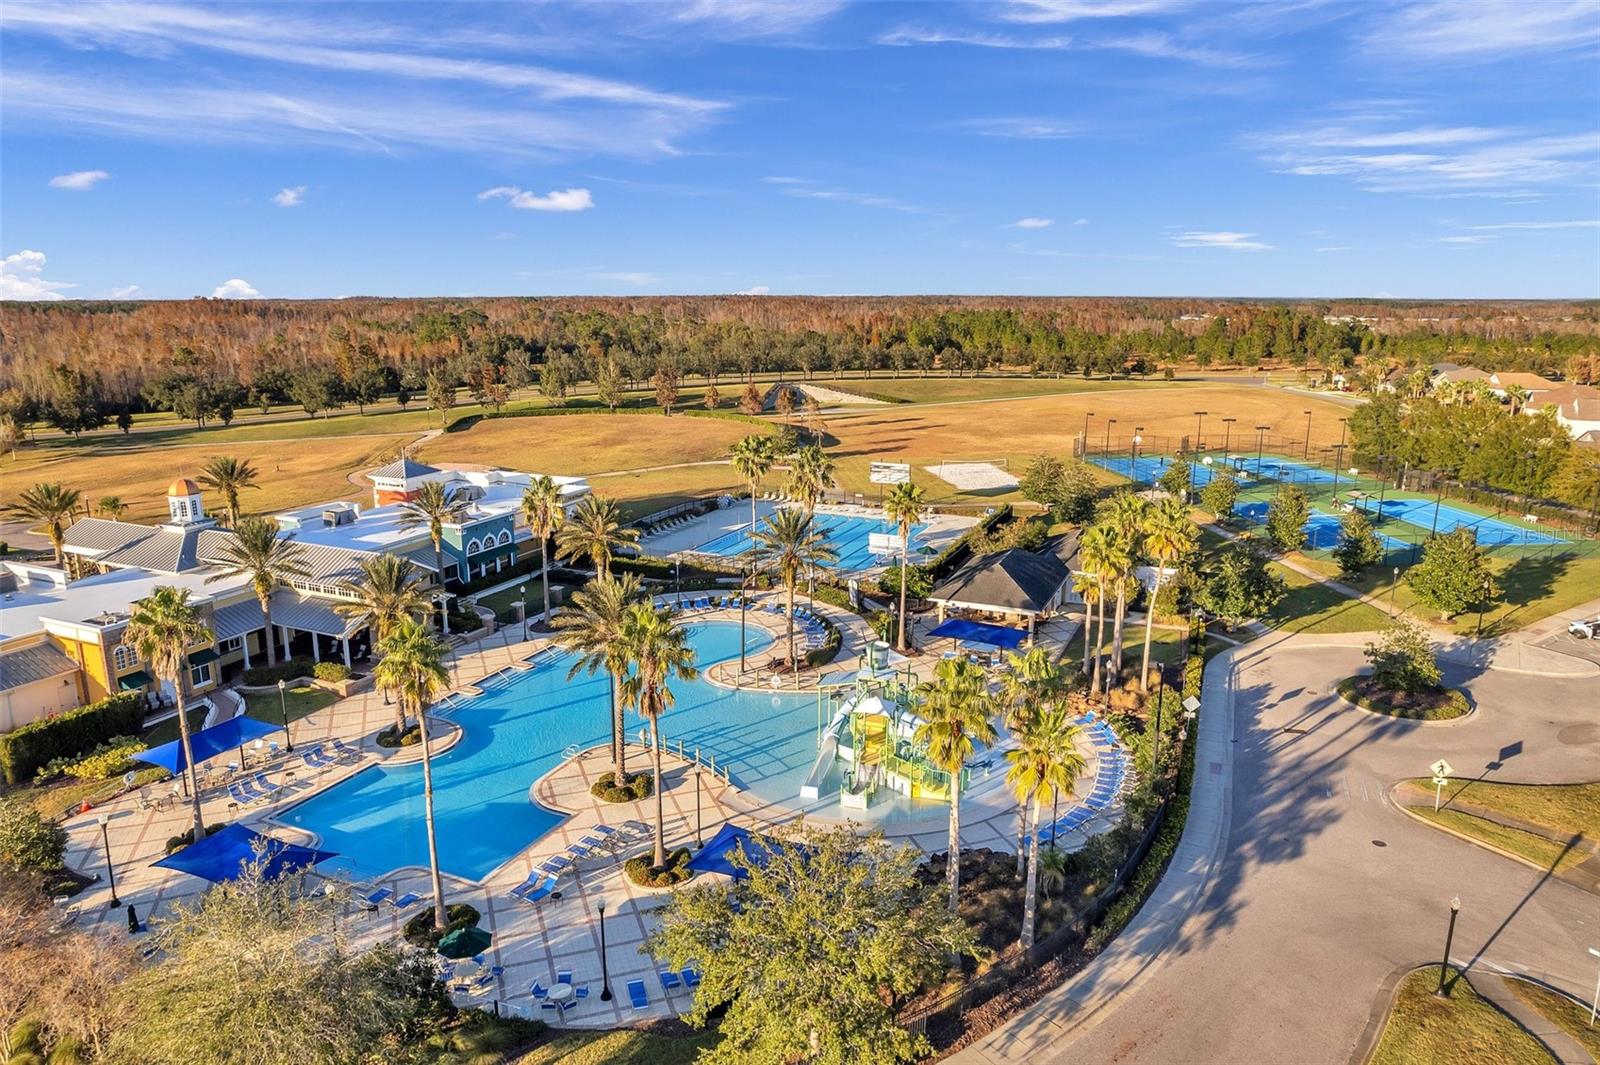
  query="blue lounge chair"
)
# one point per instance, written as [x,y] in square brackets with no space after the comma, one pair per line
[410,898]
[669,980]
[636,994]
[315,759]
[556,864]
[268,788]
[548,1005]
[374,898]
[342,751]
[564,976]
[538,990]
[531,891]
[580,850]
[691,978]
[237,792]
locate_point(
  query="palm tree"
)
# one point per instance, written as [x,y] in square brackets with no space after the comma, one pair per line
[229,476]
[435,506]
[1518,397]
[51,504]
[1125,515]
[161,629]
[1086,585]
[1046,761]
[543,511]
[790,541]
[752,458]
[389,592]
[903,506]
[1101,555]
[810,477]
[590,626]
[1169,535]
[113,507]
[595,529]
[413,667]
[658,651]
[954,707]
[257,551]
[1032,683]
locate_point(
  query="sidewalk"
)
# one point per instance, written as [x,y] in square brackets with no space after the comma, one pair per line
[1497,989]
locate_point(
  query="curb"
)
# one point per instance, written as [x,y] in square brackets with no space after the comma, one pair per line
[1472,710]
[1475,841]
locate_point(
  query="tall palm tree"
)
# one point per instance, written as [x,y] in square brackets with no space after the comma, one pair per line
[790,542]
[1125,516]
[389,592]
[51,504]
[1100,554]
[954,707]
[413,667]
[752,457]
[1169,536]
[658,651]
[112,507]
[1518,397]
[257,551]
[229,476]
[1045,762]
[595,529]
[435,506]
[162,628]
[542,509]
[1087,585]
[590,626]
[903,506]
[810,476]
[1032,683]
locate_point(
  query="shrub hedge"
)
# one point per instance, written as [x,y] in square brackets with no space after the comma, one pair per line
[330,671]
[635,786]
[420,930]
[23,750]
[411,737]
[288,669]
[676,871]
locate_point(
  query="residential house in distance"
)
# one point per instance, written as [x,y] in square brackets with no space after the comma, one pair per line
[1577,407]
[1501,381]
[1449,373]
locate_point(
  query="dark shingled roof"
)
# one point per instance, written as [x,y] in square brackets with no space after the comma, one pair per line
[1015,580]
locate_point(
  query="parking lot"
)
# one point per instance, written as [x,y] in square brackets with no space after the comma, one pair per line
[1588,650]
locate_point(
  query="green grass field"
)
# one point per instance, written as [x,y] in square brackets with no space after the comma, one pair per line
[1313,607]
[619,1048]
[1463,1029]
[1569,1016]
[959,389]
[1545,853]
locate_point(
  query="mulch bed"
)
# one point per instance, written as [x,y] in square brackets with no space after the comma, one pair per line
[1437,704]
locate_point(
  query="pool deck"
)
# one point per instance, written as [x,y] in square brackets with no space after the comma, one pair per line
[530,941]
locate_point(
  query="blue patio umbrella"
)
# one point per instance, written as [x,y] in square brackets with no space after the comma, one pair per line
[223,855]
[717,855]
[208,743]
[980,632]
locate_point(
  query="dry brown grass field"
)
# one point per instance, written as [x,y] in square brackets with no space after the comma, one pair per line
[306,462]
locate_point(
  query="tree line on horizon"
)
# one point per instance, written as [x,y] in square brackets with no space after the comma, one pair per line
[81,365]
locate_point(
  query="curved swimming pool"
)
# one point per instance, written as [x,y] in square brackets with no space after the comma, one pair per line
[519,729]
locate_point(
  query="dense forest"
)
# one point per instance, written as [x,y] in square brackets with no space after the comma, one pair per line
[79,364]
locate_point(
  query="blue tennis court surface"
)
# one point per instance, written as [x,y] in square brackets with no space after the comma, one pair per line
[1147,469]
[1491,531]
[1322,529]
[846,534]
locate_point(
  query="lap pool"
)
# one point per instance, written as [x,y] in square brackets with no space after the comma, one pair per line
[519,729]
[846,534]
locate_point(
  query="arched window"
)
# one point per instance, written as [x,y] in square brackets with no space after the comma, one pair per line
[505,537]
[473,546]
[124,657]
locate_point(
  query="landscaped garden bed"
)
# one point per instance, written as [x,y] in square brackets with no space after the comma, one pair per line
[675,872]
[635,786]
[1436,704]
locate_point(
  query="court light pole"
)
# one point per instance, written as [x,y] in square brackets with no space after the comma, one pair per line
[1106,450]
[1199,430]
[1449,936]
[1133,454]
[1086,416]
[605,962]
[1392,586]
[1227,433]
[1308,434]
[1261,436]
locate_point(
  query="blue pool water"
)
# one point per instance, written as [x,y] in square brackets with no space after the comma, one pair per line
[1490,531]
[519,729]
[846,535]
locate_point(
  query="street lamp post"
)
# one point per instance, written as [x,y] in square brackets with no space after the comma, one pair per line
[605,963]
[523,591]
[1308,434]
[1444,967]
[1199,429]
[111,876]
[283,708]
[1227,433]
[1392,586]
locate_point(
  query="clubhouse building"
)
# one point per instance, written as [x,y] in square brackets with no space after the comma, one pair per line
[61,640]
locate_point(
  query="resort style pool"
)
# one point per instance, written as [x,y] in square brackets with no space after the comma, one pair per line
[846,533]
[519,729]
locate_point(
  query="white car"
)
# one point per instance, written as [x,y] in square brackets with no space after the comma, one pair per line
[1585,629]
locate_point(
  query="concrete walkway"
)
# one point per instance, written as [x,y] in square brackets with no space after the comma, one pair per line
[1498,989]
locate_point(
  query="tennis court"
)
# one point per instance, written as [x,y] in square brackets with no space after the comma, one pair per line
[846,534]
[1322,528]
[1491,532]
[1147,469]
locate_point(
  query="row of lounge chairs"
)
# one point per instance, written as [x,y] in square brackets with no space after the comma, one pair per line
[321,756]
[1110,780]
[378,896]
[541,882]
[671,980]
[256,789]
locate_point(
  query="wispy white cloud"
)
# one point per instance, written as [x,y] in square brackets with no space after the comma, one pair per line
[235,288]
[1072,10]
[1152,45]
[907,36]
[1023,128]
[741,19]
[1334,248]
[1220,239]
[560,200]
[79,180]
[290,197]
[1421,137]
[1487,29]
[1582,223]
[1474,238]
[754,290]
[22,278]
[802,188]
[1081,222]
[1032,223]
[124,292]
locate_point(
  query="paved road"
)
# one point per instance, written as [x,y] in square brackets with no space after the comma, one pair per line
[1322,889]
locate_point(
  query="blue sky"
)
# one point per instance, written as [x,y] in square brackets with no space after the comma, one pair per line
[1035,147]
